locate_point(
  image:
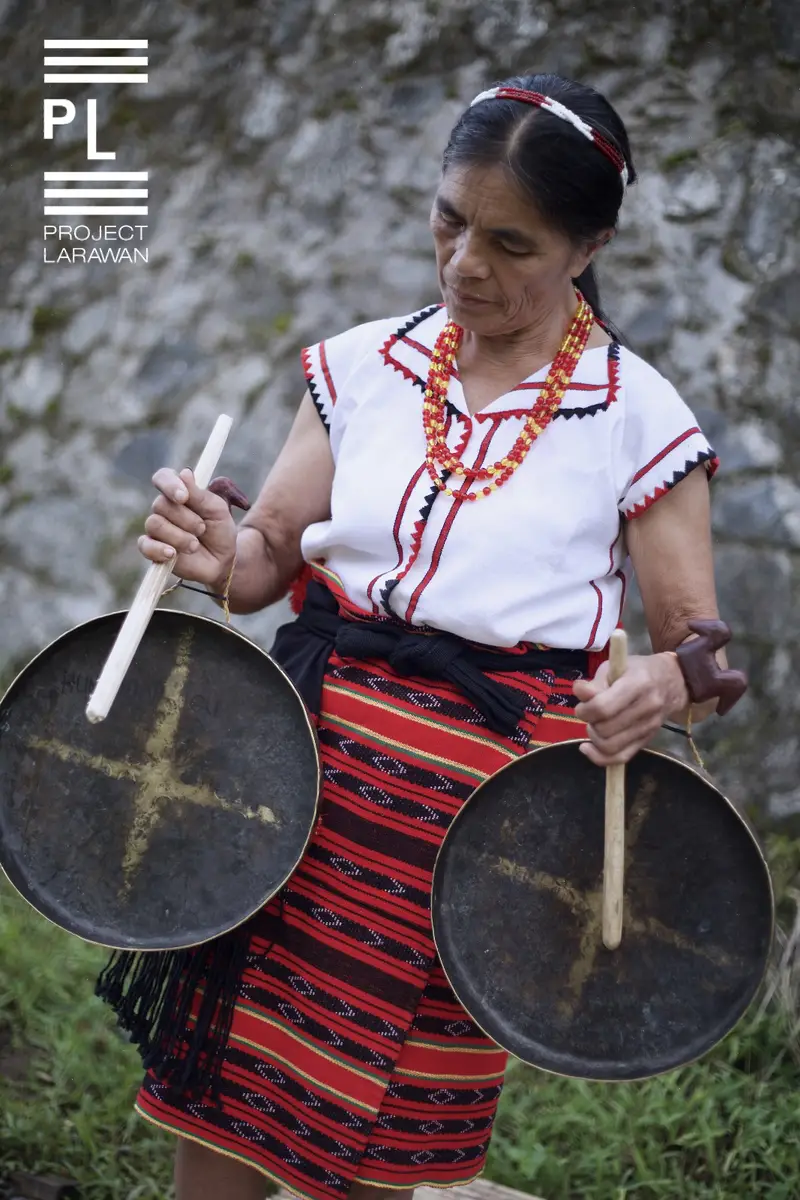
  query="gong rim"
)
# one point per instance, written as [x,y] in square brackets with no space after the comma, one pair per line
[227,630]
[437,917]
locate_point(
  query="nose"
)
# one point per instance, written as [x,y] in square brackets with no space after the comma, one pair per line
[467,258]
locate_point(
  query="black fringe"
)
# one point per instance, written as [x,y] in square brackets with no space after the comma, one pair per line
[151,993]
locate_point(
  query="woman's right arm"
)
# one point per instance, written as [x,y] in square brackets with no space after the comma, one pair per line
[194,527]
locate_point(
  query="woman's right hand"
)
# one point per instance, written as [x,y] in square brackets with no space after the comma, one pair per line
[191,528]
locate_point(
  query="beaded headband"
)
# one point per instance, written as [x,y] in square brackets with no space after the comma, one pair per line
[566,114]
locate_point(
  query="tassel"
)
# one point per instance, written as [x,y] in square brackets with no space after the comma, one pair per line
[152,994]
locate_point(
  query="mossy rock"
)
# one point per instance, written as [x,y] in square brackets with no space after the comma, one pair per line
[47,319]
[672,162]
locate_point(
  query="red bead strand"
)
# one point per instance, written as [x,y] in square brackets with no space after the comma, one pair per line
[440,458]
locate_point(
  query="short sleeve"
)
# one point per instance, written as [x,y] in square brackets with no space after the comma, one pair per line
[661,441]
[329,366]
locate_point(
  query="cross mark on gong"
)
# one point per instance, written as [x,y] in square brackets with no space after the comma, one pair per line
[158,775]
[587,907]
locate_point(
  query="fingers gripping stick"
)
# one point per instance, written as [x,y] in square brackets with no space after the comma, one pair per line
[148,595]
[614,860]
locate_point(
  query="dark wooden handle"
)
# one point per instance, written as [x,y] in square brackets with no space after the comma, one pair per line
[230,493]
[705,679]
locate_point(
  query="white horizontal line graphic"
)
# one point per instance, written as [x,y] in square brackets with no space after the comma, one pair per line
[95,193]
[94,210]
[95,43]
[94,176]
[78,77]
[94,60]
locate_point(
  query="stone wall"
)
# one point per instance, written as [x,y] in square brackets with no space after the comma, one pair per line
[293,147]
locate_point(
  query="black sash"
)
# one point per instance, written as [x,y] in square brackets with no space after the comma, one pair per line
[304,646]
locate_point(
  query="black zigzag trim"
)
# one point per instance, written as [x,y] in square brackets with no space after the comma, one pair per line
[411,325]
[589,411]
[417,319]
[668,484]
[592,409]
[689,466]
[386,594]
[424,512]
[314,393]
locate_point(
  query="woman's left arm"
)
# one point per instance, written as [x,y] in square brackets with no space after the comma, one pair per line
[671,551]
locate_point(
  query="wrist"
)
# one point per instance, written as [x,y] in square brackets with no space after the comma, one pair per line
[676,693]
[220,588]
[226,566]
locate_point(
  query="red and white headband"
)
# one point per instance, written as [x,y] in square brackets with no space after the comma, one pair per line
[566,114]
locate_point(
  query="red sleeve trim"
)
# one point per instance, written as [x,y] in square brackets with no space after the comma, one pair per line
[323,358]
[663,454]
[711,462]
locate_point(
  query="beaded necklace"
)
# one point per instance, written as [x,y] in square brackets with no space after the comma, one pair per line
[438,455]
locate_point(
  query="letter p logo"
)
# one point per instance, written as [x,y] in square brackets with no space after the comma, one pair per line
[51,119]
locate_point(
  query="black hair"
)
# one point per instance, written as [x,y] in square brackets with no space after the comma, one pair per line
[574,186]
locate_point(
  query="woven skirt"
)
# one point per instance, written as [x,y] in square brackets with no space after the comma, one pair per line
[350,1059]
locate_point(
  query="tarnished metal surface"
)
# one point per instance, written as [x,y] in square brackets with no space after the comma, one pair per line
[517,907]
[172,820]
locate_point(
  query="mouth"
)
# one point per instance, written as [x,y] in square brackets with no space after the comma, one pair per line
[466,299]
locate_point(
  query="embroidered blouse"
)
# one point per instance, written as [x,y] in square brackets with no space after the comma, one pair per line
[542,560]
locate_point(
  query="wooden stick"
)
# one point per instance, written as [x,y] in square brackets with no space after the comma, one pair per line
[614,861]
[150,590]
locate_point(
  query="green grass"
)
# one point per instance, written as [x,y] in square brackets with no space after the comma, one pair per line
[722,1129]
[725,1128]
[67,1109]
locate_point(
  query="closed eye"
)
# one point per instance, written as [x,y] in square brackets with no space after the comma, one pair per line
[508,240]
[516,250]
[449,216]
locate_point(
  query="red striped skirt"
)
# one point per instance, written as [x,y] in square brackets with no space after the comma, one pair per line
[350,1059]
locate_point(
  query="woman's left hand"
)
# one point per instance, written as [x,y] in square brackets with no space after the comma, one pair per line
[622,717]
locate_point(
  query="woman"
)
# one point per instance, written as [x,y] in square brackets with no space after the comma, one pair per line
[466,485]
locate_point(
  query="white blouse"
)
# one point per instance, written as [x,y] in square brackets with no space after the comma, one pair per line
[543,559]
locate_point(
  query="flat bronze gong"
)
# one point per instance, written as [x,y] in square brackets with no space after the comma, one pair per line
[517,916]
[179,815]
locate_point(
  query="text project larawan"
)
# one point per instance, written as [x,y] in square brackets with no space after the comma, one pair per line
[96,192]
[125,244]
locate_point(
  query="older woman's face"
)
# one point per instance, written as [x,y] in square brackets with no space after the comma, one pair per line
[499,264]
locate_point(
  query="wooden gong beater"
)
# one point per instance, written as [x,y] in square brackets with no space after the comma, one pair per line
[173,818]
[603,925]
